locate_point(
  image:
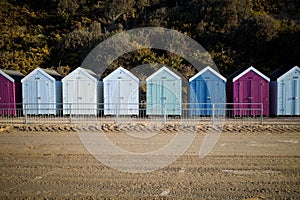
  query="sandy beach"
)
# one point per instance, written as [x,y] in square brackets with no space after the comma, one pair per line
[248,162]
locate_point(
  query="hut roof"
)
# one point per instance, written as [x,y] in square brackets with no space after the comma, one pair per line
[280,72]
[164,68]
[131,75]
[241,72]
[208,68]
[14,74]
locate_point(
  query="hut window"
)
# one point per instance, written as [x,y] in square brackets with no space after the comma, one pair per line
[37,78]
[295,77]
[119,77]
[163,77]
[250,77]
[78,77]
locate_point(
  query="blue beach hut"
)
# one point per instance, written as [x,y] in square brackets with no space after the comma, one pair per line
[207,87]
[285,91]
[42,92]
[164,93]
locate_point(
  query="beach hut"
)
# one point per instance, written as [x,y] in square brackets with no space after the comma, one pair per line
[207,87]
[285,91]
[10,92]
[42,92]
[121,93]
[248,90]
[82,92]
[163,95]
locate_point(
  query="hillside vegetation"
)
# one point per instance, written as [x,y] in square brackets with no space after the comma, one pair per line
[59,34]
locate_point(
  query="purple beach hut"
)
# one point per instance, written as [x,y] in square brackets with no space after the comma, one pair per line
[10,91]
[248,90]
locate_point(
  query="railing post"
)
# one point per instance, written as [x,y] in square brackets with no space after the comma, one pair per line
[261,114]
[117,114]
[213,113]
[70,112]
[25,113]
[165,113]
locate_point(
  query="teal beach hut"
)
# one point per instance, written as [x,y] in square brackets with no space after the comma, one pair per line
[164,93]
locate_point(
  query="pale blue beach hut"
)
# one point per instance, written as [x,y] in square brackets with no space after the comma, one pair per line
[164,93]
[121,93]
[285,92]
[82,92]
[42,92]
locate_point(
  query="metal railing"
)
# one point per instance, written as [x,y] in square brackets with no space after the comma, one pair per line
[73,113]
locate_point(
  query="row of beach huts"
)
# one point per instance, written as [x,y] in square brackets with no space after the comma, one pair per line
[82,92]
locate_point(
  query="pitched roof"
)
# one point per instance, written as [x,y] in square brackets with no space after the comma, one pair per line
[12,75]
[53,73]
[90,72]
[164,68]
[241,72]
[85,71]
[208,68]
[50,73]
[131,75]
[281,71]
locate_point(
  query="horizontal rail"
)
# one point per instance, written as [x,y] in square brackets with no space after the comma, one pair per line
[63,113]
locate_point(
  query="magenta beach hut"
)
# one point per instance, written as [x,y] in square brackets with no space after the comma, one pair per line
[10,92]
[248,90]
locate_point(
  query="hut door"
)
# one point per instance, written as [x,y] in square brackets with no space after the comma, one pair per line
[112,96]
[44,103]
[70,97]
[125,93]
[202,93]
[6,98]
[289,97]
[2,97]
[166,96]
[296,100]
[161,87]
[209,92]
[128,97]
[245,96]
[171,97]
[256,95]
[85,98]
[30,103]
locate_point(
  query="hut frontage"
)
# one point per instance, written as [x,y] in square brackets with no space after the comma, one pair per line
[82,92]
[164,93]
[121,93]
[285,92]
[207,89]
[42,92]
[248,90]
[10,92]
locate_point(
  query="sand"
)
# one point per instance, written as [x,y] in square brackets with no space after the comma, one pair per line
[248,162]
